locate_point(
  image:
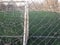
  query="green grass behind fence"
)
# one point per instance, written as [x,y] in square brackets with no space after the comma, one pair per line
[11,23]
[41,24]
[44,24]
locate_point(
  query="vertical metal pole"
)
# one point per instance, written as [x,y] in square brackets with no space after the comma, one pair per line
[26,25]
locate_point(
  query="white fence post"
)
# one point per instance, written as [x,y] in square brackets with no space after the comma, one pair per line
[26,24]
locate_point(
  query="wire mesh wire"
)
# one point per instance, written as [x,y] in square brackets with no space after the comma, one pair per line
[44,23]
[11,23]
[44,18]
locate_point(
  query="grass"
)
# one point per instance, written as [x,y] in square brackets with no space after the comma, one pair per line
[44,24]
[41,21]
[11,23]
[41,24]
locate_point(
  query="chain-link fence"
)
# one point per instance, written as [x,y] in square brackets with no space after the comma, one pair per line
[11,22]
[42,23]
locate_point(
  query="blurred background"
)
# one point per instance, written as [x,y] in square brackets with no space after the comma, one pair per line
[46,5]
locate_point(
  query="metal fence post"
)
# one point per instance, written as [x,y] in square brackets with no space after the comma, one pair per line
[26,24]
